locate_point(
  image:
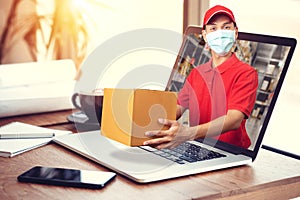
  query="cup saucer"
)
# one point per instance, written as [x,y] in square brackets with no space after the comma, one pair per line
[81,118]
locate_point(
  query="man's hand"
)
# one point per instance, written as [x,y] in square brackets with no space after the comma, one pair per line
[174,136]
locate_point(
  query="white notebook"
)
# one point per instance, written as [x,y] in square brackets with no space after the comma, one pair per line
[12,147]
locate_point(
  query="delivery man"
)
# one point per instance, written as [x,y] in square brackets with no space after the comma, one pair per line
[219,94]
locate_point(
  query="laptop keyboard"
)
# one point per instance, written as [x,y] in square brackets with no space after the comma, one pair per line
[186,153]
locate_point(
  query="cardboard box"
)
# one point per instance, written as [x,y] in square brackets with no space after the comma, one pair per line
[128,113]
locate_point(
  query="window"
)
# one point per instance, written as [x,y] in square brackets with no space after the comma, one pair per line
[103,19]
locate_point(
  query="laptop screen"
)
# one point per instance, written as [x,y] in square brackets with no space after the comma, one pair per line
[269,55]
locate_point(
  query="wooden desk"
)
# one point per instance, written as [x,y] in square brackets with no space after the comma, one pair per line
[271,176]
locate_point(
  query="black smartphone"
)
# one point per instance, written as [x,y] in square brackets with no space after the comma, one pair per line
[67,177]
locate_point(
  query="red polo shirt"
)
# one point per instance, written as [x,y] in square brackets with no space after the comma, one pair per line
[209,93]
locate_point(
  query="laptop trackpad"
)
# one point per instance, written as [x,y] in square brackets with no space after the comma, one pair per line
[113,154]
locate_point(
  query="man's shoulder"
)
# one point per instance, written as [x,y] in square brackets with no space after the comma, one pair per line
[202,67]
[243,66]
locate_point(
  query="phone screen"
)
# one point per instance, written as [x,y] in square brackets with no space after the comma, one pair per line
[67,177]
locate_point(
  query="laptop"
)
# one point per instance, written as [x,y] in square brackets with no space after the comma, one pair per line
[270,55]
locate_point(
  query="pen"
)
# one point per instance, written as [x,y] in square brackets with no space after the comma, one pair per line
[25,135]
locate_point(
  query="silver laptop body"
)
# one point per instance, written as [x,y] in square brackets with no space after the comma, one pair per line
[139,164]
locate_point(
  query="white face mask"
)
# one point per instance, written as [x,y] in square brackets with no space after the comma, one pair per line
[221,41]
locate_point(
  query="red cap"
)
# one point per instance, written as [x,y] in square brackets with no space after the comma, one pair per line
[218,9]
